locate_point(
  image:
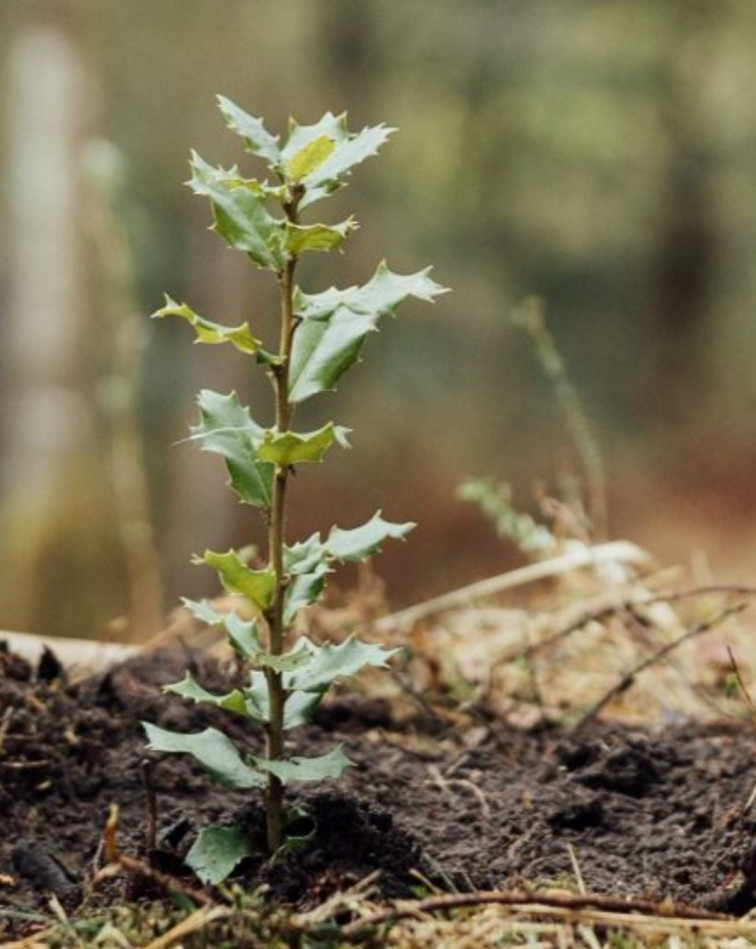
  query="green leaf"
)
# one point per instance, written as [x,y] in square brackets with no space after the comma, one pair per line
[241,214]
[226,428]
[323,351]
[214,751]
[258,586]
[326,173]
[381,294]
[257,139]
[301,237]
[304,556]
[306,565]
[307,159]
[328,176]
[361,542]
[190,689]
[330,126]
[331,662]
[302,590]
[208,332]
[297,711]
[336,323]
[241,633]
[217,851]
[331,765]
[292,448]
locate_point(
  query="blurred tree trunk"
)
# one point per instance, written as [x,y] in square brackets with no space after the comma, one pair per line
[51,551]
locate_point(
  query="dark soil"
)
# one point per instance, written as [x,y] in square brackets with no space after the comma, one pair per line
[651,816]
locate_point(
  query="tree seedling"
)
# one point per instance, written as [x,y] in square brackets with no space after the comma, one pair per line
[321,335]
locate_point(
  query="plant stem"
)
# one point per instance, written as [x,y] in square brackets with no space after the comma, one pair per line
[276,691]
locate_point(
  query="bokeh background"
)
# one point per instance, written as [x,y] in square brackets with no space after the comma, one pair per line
[598,154]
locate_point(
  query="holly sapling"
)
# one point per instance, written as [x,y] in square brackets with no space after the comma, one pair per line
[321,335]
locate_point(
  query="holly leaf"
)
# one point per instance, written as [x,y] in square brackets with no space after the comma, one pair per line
[331,127]
[241,633]
[211,333]
[328,176]
[307,159]
[323,351]
[336,323]
[293,770]
[361,542]
[217,851]
[331,662]
[258,586]
[241,214]
[324,237]
[225,427]
[257,139]
[320,168]
[297,710]
[303,590]
[285,449]
[212,749]
[189,688]
[304,556]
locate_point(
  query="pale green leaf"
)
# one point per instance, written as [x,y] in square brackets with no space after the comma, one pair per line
[361,542]
[242,633]
[257,139]
[258,586]
[293,770]
[331,662]
[329,175]
[305,556]
[307,159]
[336,323]
[323,351]
[303,589]
[241,214]
[214,751]
[226,428]
[208,332]
[297,711]
[287,662]
[190,689]
[217,851]
[301,237]
[330,126]
[292,448]
[381,294]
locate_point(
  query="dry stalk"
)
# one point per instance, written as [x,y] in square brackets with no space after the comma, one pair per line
[535,903]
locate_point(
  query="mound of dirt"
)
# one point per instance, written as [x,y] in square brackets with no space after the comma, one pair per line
[643,815]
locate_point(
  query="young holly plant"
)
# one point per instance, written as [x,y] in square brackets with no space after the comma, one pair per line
[321,335]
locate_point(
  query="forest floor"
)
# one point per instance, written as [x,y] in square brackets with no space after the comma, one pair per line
[457,788]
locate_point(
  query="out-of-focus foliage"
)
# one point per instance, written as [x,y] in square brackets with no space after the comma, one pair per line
[599,154]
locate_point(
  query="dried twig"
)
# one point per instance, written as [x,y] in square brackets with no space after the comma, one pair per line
[118,862]
[615,552]
[629,677]
[630,603]
[533,901]
[5,725]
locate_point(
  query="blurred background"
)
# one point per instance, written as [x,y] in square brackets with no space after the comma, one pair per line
[599,154]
